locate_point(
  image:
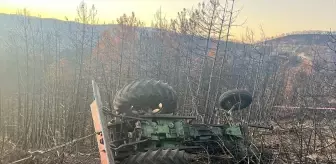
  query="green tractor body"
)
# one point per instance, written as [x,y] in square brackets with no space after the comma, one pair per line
[140,135]
[166,132]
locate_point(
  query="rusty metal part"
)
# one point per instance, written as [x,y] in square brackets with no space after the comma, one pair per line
[100,126]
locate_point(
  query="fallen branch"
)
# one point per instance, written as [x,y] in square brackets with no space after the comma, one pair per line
[23,159]
[313,108]
[326,146]
[41,152]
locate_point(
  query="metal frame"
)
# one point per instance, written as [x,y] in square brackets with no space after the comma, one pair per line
[100,125]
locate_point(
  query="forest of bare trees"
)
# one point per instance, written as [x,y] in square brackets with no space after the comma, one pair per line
[45,90]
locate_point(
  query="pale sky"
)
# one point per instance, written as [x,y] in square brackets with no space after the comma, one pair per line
[275,16]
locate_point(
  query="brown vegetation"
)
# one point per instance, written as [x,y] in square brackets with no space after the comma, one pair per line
[45,95]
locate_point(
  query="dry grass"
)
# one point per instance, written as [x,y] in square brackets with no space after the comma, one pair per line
[305,142]
[12,154]
[293,140]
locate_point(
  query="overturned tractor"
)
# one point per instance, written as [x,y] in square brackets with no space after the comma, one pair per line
[144,129]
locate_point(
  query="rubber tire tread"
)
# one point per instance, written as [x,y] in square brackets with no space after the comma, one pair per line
[161,156]
[233,96]
[145,93]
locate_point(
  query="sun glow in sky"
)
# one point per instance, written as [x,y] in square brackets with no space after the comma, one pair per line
[275,16]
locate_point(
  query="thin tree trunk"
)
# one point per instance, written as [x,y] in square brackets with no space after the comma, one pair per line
[207,108]
[225,54]
[204,61]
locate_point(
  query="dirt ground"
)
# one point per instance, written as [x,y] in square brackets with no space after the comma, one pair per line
[305,142]
[10,154]
[291,142]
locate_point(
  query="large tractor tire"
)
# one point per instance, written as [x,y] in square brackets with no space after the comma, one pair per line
[144,96]
[232,97]
[161,156]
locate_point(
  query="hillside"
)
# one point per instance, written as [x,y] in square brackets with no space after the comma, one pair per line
[302,39]
[14,23]
[68,35]
[48,66]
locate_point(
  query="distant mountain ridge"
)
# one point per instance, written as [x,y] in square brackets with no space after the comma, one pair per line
[303,39]
[11,22]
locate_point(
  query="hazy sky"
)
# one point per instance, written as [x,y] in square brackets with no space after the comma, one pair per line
[275,16]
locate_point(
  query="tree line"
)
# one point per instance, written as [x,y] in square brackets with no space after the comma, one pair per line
[46,92]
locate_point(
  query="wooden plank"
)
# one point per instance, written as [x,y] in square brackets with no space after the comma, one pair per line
[100,125]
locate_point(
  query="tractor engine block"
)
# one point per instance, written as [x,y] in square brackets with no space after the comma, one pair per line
[174,132]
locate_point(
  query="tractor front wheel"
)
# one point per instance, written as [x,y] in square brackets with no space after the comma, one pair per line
[233,97]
